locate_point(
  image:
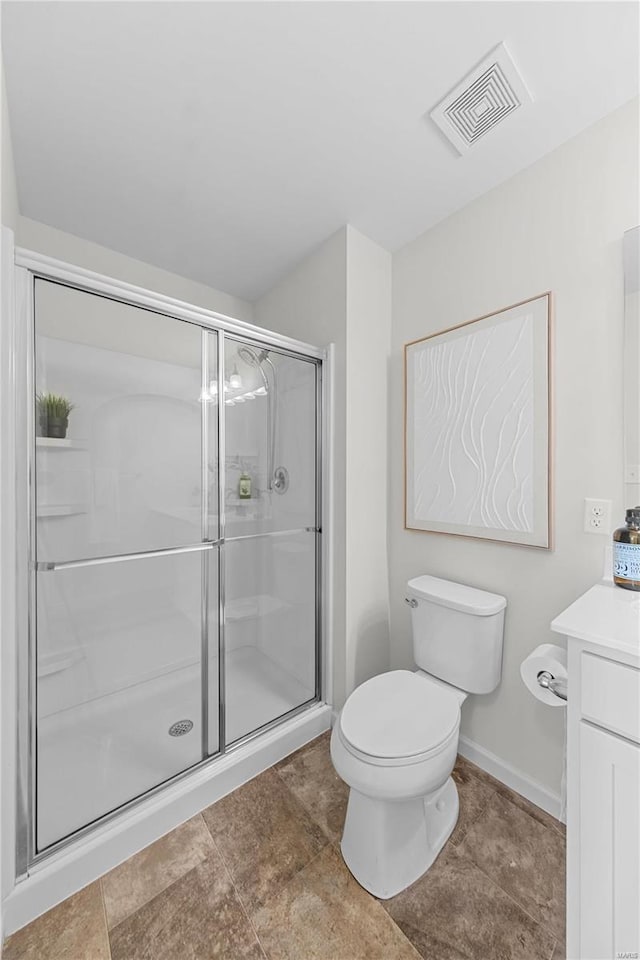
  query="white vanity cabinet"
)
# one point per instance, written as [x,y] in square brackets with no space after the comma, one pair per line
[603,773]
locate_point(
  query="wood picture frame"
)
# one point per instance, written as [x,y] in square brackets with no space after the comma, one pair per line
[478,427]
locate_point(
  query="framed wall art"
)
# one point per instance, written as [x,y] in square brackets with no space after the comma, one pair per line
[477,427]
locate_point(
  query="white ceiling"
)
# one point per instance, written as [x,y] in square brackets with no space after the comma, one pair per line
[223,141]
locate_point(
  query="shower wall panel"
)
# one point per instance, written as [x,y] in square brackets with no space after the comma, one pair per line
[127,476]
[291,390]
[270,610]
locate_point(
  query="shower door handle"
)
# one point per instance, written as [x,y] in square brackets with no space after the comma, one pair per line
[43,565]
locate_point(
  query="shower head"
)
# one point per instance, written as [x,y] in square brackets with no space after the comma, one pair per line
[256,360]
[251,357]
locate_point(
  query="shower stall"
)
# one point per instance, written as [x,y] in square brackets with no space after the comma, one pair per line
[175,548]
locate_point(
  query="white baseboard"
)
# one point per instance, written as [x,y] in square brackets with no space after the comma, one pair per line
[511,777]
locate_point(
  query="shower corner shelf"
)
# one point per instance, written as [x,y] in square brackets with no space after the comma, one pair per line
[53,443]
[60,509]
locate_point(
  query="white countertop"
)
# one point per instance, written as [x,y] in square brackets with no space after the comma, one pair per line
[605,614]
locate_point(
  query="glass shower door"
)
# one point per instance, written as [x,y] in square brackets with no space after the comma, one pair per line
[119,689]
[127,569]
[175,595]
[271,537]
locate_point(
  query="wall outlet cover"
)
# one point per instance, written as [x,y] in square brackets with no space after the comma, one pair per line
[597,516]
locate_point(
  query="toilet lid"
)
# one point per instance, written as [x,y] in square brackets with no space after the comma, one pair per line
[399,714]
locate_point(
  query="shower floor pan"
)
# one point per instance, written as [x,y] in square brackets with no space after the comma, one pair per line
[97,756]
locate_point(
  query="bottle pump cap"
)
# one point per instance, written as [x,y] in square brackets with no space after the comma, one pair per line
[633,515]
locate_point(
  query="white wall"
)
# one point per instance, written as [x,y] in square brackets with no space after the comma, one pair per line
[8,191]
[311,304]
[64,246]
[556,226]
[8,218]
[631,245]
[342,294]
[368,345]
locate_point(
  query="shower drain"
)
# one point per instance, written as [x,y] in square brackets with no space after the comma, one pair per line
[180,727]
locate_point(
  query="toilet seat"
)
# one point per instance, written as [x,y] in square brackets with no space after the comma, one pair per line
[399,718]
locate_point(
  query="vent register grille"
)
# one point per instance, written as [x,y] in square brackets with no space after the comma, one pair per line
[483,99]
[483,105]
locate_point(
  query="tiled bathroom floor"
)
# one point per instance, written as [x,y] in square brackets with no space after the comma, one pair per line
[259,874]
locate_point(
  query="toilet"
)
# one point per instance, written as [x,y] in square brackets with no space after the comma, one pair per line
[395,740]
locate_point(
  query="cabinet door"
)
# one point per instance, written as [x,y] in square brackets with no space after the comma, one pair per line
[609,845]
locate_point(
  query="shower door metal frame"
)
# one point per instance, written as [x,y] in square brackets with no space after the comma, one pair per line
[30,266]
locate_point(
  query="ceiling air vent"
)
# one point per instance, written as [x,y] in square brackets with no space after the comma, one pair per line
[486,96]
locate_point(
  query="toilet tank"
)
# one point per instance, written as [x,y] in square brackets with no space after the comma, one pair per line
[457,632]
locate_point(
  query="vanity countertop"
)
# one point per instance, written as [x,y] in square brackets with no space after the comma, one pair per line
[605,614]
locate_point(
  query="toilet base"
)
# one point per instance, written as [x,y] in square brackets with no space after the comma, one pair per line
[388,845]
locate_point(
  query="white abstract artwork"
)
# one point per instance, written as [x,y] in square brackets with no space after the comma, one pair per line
[477,427]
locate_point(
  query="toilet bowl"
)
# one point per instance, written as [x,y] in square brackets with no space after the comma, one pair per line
[397,761]
[395,740]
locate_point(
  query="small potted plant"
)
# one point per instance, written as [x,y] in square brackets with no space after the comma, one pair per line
[53,413]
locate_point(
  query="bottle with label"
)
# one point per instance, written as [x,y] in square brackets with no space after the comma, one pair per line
[626,552]
[244,486]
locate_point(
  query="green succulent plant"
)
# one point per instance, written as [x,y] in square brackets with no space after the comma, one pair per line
[53,407]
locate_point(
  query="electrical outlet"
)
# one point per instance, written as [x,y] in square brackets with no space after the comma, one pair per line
[597,516]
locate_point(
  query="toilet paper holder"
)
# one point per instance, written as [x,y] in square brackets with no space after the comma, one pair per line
[549,682]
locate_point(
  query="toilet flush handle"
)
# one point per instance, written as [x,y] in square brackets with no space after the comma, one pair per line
[411,601]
